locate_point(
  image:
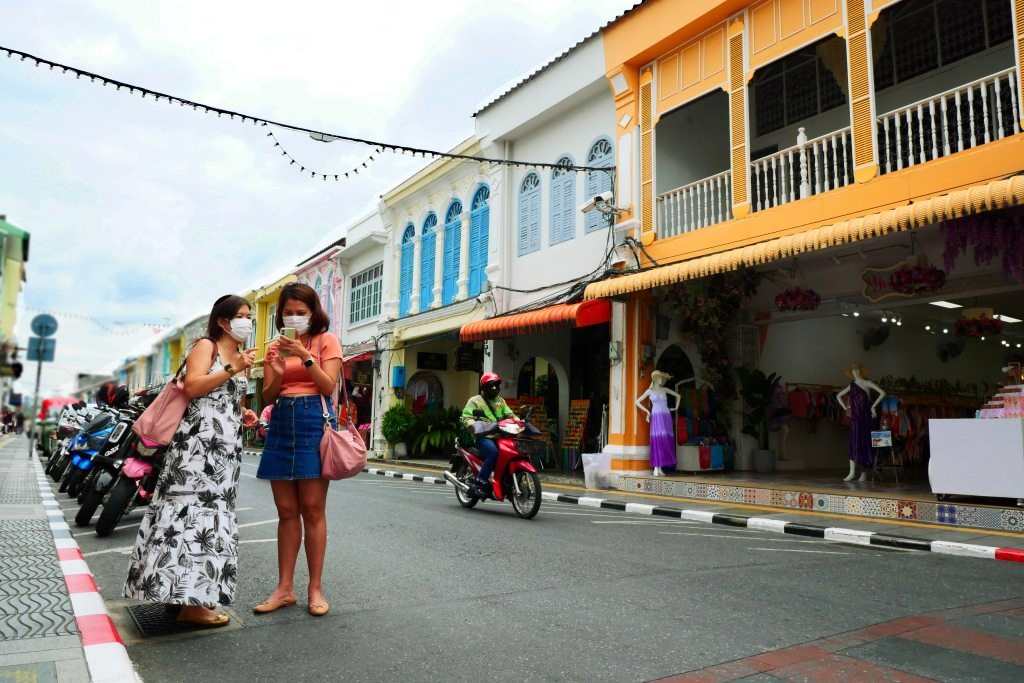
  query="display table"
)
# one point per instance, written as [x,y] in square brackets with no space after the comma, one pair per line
[977,457]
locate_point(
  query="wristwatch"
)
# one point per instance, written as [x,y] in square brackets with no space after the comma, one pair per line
[230,370]
[308,363]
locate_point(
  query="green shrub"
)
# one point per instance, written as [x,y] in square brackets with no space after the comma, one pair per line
[436,430]
[397,424]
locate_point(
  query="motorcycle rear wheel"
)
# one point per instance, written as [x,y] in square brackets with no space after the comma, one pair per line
[58,467]
[116,505]
[526,502]
[465,475]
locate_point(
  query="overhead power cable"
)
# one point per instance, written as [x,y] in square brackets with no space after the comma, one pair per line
[318,135]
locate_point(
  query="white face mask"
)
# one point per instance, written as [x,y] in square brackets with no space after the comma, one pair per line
[299,322]
[241,328]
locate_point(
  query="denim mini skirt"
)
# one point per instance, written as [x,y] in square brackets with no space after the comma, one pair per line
[292,450]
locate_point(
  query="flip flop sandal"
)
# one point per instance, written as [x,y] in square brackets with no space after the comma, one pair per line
[269,605]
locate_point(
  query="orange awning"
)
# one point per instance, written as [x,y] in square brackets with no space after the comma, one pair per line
[582,314]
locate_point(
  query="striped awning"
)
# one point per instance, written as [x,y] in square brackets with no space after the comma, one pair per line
[997,194]
[542,320]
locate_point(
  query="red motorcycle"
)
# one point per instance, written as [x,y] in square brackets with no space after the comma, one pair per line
[514,476]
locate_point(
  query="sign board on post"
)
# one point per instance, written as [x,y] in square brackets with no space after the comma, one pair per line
[44,325]
[41,349]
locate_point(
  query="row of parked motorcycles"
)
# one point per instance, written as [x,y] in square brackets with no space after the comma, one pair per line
[101,462]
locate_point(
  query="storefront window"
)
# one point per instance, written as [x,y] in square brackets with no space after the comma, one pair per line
[425,392]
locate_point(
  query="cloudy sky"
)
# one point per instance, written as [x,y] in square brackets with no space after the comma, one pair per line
[143,213]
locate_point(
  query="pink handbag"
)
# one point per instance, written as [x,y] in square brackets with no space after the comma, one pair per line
[342,452]
[160,420]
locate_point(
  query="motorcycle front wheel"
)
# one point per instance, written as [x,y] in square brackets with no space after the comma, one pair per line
[90,503]
[464,474]
[116,504]
[74,482]
[525,494]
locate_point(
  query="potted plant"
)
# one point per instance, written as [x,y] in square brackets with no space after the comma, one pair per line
[395,427]
[757,390]
[436,431]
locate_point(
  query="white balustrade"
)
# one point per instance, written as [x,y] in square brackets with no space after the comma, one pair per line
[953,121]
[696,205]
[807,168]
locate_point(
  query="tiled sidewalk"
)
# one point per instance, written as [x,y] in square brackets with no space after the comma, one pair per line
[39,639]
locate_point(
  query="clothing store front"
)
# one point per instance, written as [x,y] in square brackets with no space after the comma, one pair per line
[555,363]
[878,360]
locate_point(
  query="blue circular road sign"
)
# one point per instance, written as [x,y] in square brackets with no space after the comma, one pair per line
[44,325]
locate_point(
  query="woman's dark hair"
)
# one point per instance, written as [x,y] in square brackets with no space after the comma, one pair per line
[226,308]
[318,320]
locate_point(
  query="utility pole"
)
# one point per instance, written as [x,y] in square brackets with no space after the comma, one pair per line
[41,349]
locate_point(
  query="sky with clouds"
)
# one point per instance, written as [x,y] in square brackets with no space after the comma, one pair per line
[144,213]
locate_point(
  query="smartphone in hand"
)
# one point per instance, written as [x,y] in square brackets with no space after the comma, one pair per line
[290,333]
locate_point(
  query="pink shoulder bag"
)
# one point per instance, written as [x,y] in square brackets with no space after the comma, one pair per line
[160,420]
[342,452]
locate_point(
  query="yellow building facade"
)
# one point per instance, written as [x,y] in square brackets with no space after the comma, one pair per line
[895,140]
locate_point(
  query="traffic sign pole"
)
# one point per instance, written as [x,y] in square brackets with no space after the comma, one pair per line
[43,325]
[35,407]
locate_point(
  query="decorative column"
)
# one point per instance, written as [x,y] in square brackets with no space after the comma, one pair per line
[861,91]
[623,82]
[414,304]
[738,118]
[438,264]
[632,347]
[464,256]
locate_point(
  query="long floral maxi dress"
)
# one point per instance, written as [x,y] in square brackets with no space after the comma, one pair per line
[186,552]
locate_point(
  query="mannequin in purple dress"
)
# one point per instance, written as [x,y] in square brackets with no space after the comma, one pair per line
[862,411]
[663,440]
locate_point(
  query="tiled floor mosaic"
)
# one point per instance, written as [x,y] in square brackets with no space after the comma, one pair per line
[952,514]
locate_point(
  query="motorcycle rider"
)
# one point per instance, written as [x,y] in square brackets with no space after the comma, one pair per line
[487,406]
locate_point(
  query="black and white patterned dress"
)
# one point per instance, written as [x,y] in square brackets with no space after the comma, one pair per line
[186,552]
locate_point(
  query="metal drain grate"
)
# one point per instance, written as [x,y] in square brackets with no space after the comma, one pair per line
[157,620]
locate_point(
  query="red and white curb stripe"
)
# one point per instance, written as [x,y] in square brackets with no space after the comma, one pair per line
[104,650]
[837,534]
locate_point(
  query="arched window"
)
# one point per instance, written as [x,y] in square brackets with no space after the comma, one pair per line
[479,225]
[563,202]
[602,155]
[405,275]
[529,214]
[428,249]
[452,252]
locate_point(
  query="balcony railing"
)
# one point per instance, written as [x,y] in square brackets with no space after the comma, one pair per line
[967,116]
[807,168]
[696,205]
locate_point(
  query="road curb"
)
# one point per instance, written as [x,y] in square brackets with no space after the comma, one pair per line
[837,534]
[105,653]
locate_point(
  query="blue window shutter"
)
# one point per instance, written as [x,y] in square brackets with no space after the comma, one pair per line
[563,203]
[405,276]
[479,225]
[452,252]
[428,250]
[601,155]
[529,215]
[555,235]
[569,206]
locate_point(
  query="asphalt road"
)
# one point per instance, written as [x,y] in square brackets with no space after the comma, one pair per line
[422,590]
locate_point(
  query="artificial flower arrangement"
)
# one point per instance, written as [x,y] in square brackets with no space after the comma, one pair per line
[982,326]
[797,299]
[917,279]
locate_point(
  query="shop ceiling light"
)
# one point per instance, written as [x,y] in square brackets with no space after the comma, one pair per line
[927,328]
[946,304]
[945,330]
[1007,319]
[885,319]
[856,314]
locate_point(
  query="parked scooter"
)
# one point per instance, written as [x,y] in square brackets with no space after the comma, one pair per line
[515,476]
[134,485]
[70,422]
[107,465]
[86,444]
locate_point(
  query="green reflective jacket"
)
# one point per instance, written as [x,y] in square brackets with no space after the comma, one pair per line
[493,412]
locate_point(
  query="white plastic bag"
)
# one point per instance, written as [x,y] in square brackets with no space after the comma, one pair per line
[595,470]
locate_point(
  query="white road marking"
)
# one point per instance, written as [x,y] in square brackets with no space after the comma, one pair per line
[246,474]
[259,540]
[124,550]
[116,528]
[790,550]
[643,522]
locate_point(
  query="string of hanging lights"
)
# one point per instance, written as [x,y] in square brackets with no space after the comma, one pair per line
[342,175]
[320,136]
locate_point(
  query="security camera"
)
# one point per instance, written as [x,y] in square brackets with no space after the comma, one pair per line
[601,202]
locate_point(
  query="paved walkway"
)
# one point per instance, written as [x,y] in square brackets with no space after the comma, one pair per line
[39,639]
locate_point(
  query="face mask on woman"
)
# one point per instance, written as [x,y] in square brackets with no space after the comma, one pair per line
[241,328]
[299,322]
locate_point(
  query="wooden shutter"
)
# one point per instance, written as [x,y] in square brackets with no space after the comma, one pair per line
[738,120]
[529,215]
[479,219]
[405,280]
[534,218]
[428,248]
[1018,33]
[862,109]
[452,251]
[568,206]
[557,212]
[601,155]
[646,152]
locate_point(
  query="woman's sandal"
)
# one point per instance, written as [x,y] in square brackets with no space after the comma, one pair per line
[273,604]
[319,608]
[212,621]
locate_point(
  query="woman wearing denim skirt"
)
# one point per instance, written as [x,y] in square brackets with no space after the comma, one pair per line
[297,373]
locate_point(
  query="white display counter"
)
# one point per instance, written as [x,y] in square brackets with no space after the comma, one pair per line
[977,458]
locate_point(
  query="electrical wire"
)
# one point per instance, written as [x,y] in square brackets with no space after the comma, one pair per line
[318,135]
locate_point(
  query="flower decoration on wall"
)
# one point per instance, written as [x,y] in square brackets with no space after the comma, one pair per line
[917,279]
[797,299]
[974,328]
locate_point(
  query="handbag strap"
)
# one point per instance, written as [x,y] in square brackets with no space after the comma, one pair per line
[213,357]
[344,392]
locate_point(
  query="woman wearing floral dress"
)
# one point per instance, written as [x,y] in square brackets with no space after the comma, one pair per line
[186,552]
